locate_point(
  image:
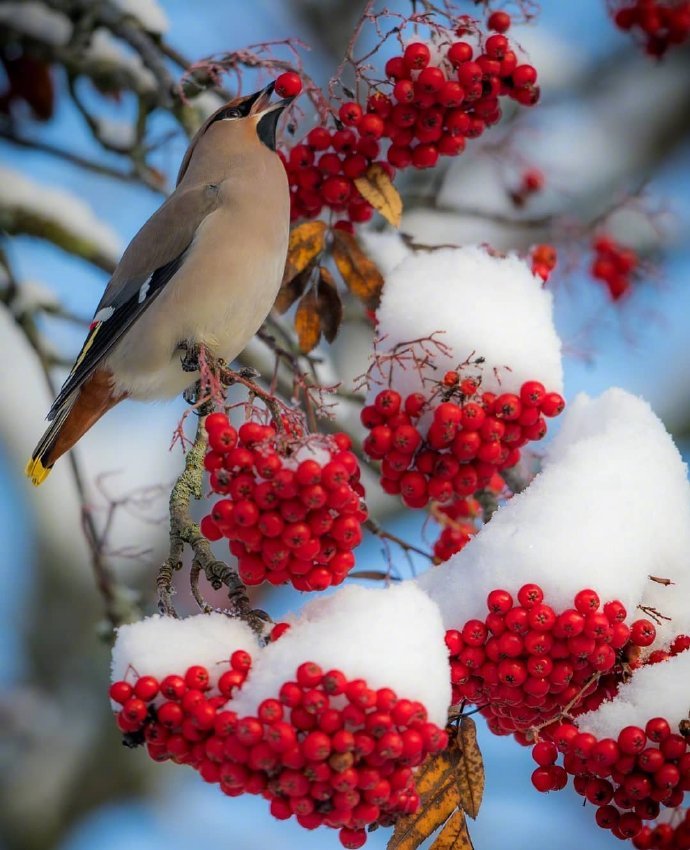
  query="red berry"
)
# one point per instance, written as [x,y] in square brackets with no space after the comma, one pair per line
[524,75]
[120,692]
[288,84]
[417,55]
[499,22]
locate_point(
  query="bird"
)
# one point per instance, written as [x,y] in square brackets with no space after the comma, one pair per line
[205,269]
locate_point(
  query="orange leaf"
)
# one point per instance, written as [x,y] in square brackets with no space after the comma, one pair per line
[376,187]
[360,274]
[470,770]
[329,305]
[289,292]
[454,835]
[438,791]
[307,241]
[308,323]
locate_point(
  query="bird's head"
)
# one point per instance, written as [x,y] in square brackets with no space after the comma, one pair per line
[245,121]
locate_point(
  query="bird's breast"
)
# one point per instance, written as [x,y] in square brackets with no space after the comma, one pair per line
[219,297]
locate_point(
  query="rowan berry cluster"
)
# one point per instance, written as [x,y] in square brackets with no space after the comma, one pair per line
[628,778]
[438,96]
[292,512]
[665,836]
[327,750]
[659,23]
[525,661]
[613,265]
[457,526]
[435,450]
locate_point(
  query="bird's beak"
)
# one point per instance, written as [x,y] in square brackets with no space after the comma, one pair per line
[261,101]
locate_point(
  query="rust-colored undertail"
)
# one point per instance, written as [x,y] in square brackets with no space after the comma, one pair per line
[90,402]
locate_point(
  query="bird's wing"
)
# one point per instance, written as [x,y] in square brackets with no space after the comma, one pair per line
[150,261]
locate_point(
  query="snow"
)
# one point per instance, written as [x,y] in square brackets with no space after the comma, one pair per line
[610,508]
[33,296]
[104,48]
[59,206]
[37,21]
[392,638]
[162,646]
[656,690]
[119,134]
[386,248]
[147,12]
[485,305]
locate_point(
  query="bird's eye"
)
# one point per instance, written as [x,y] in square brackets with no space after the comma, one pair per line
[233,112]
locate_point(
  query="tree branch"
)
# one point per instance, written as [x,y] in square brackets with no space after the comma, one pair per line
[185,532]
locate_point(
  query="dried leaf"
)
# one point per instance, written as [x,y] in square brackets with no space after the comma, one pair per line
[454,835]
[377,188]
[308,323]
[307,241]
[437,787]
[289,292]
[470,770]
[360,274]
[329,305]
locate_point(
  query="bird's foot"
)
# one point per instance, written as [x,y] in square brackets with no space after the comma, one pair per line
[249,373]
[192,394]
[190,356]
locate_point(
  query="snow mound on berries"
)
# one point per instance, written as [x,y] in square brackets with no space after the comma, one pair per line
[610,508]
[162,646]
[487,306]
[393,638]
[656,690]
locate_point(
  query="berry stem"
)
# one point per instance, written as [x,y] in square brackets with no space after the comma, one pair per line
[373,526]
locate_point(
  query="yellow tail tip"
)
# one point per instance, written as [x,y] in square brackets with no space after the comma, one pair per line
[36,471]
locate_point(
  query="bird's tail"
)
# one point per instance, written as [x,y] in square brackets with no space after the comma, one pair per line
[82,409]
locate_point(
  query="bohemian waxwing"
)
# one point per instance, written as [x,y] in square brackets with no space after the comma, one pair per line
[204,269]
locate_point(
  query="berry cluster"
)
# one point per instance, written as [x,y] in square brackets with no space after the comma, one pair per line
[328,750]
[292,514]
[665,836]
[434,105]
[613,265]
[457,526]
[174,717]
[627,778]
[660,23]
[525,662]
[544,259]
[469,437]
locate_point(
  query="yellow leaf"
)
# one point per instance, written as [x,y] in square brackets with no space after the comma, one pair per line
[438,791]
[329,305]
[376,187]
[289,292]
[470,769]
[308,323]
[360,274]
[307,241]
[454,835]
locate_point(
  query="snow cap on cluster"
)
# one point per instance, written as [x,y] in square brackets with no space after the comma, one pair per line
[163,646]
[392,638]
[486,306]
[610,508]
[655,690]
